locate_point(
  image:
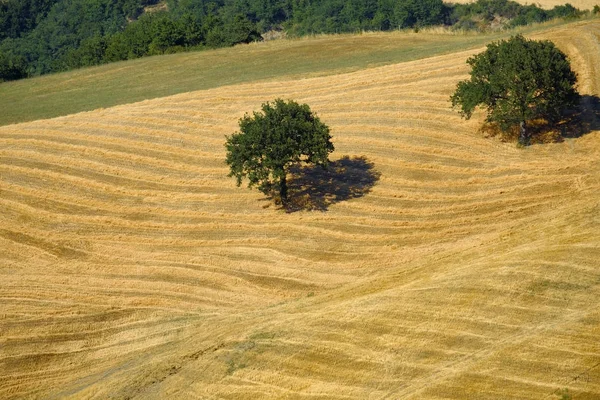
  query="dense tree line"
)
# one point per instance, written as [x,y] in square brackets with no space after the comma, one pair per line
[39,41]
[509,14]
[42,36]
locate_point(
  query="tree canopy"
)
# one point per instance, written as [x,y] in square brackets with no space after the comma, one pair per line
[271,140]
[517,80]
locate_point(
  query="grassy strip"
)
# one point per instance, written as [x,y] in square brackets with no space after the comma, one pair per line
[127,82]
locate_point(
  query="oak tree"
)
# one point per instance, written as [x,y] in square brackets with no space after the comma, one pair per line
[518,80]
[271,140]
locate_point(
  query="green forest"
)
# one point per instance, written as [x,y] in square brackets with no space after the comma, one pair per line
[43,36]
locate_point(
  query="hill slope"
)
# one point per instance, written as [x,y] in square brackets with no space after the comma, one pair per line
[447,265]
[113,84]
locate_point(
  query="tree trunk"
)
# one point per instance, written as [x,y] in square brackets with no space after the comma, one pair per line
[283,189]
[523,137]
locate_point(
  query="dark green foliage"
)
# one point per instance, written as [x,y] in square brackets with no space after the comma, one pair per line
[518,80]
[18,17]
[337,16]
[565,11]
[117,48]
[411,13]
[67,25]
[156,33]
[270,141]
[90,52]
[482,13]
[239,30]
[153,34]
[242,30]
[11,68]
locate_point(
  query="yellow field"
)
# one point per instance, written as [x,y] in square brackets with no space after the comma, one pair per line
[132,267]
[581,4]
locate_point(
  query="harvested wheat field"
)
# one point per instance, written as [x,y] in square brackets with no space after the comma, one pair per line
[436,264]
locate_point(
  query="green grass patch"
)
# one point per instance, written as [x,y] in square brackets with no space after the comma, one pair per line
[153,77]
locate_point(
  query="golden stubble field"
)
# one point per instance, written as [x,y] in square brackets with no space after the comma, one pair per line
[132,267]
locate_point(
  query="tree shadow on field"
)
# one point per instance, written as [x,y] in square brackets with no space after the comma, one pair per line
[584,119]
[312,187]
[576,122]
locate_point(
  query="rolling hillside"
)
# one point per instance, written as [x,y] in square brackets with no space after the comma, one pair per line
[437,263]
[147,78]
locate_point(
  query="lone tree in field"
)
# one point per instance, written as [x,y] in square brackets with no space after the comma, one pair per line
[270,141]
[518,80]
